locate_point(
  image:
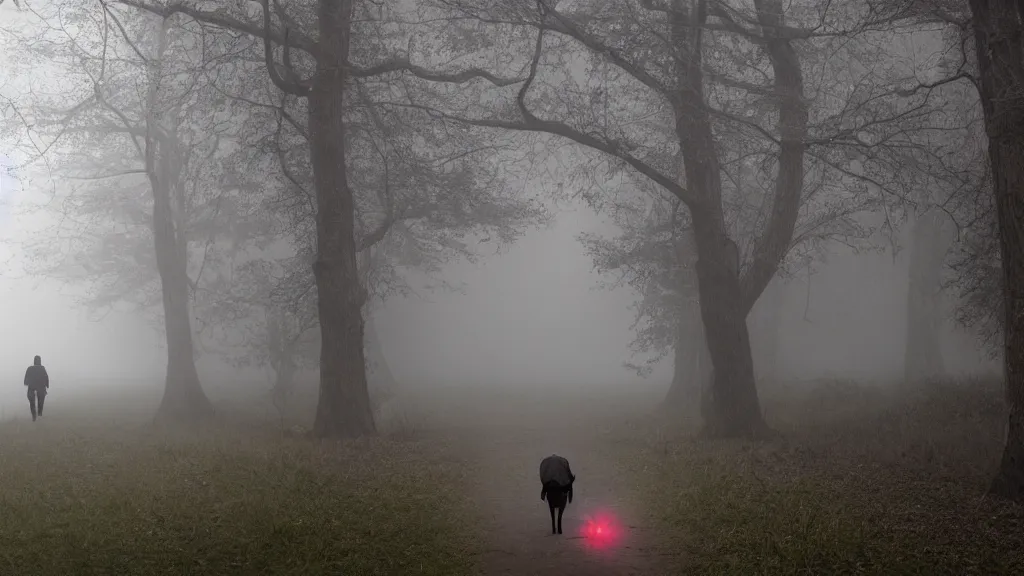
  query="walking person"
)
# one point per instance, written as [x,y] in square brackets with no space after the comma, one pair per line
[37,381]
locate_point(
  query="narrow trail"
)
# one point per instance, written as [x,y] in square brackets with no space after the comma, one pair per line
[506,441]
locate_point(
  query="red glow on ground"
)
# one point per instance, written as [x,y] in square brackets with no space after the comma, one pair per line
[601,531]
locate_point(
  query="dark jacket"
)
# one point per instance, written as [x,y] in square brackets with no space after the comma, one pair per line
[37,379]
[556,469]
[555,475]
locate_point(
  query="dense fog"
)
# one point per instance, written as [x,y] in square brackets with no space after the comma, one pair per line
[340,286]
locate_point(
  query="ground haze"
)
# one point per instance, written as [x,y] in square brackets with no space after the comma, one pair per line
[860,480]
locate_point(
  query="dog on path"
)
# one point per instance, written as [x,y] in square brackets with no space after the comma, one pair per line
[556,480]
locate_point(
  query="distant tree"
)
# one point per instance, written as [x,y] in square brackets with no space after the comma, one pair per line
[139,144]
[975,275]
[944,209]
[1001,86]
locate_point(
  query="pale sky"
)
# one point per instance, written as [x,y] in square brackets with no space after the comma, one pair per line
[532,314]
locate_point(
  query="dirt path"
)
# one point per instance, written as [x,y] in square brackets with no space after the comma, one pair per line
[508,441]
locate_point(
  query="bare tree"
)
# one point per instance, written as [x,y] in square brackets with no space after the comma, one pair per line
[139,114]
[663,79]
[319,67]
[656,256]
[422,198]
[942,209]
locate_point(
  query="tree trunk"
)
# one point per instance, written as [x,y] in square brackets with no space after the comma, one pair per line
[184,398]
[923,352]
[998,29]
[381,381]
[765,332]
[735,407]
[343,409]
[725,301]
[736,410]
[281,393]
[691,375]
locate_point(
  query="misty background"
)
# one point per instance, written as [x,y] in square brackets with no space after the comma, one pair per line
[535,313]
[559,323]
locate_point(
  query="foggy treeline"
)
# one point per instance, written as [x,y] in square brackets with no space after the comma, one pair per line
[276,169]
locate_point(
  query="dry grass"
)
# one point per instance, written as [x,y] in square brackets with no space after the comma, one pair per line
[82,499]
[861,482]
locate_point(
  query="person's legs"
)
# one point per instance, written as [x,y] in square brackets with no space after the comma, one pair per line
[40,397]
[32,402]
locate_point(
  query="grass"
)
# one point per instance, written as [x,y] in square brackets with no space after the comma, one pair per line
[83,499]
[860,482]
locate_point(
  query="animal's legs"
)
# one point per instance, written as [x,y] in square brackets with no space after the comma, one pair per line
[552,509]
[561,509]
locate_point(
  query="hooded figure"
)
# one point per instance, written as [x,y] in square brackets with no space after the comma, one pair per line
[37,381]
[556,480]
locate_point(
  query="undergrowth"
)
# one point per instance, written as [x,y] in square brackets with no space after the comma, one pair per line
[860,481]
[93,500]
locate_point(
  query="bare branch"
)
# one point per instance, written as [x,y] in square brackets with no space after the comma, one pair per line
[402,64]
[222,19]
[290,85]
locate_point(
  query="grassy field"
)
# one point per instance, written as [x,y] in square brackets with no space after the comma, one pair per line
[860,482]
[88,499]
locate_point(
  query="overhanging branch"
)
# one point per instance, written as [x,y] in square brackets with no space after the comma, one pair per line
[612,148]
[402,64]
[290,85]
[222,19]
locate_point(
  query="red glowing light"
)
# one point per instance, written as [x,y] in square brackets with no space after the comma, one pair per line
[601,531]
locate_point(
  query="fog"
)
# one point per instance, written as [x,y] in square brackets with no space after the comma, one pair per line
[531,314]
[534,314]
[317,284]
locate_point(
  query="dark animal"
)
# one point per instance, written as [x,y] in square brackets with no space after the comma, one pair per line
[37,381]
[556,480]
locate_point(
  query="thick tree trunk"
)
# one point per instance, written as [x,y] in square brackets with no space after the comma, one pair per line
[725,301]
[343,409]
[998,29]
[923,351]
[736,409]
[184,398]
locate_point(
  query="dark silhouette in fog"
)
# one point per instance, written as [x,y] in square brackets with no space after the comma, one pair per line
[556,479]
[37,381]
